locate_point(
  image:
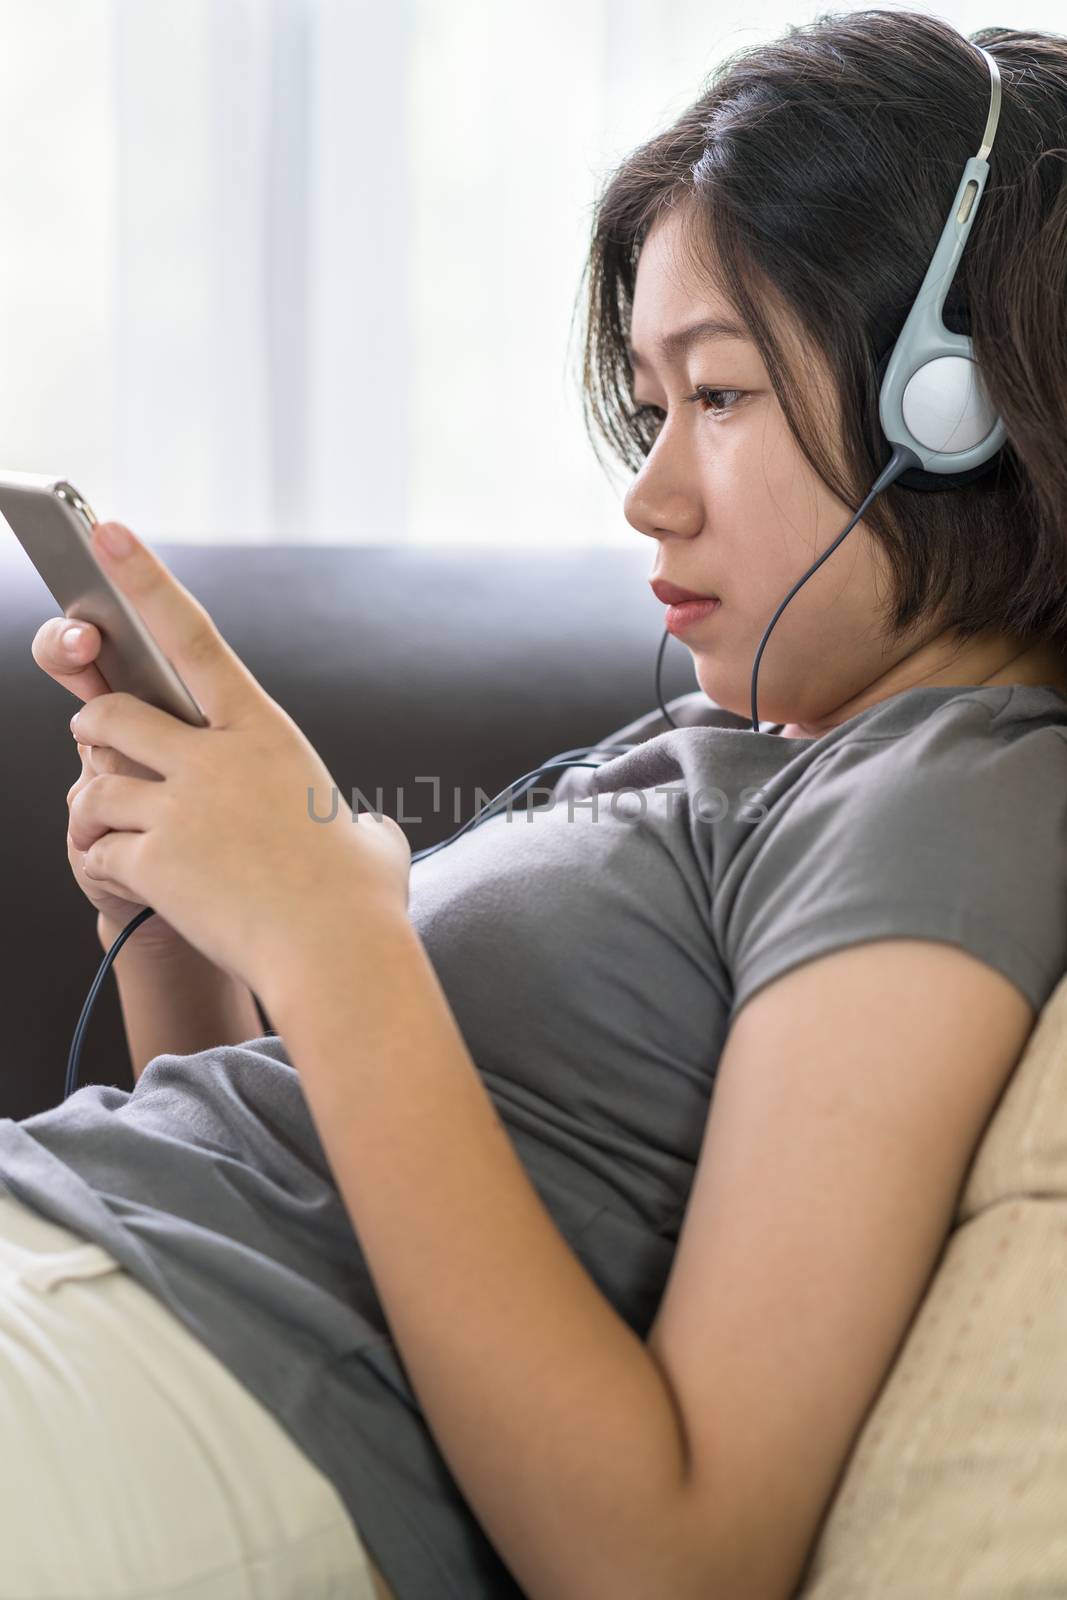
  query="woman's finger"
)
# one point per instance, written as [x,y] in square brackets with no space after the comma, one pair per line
[141,732]
[101,758]
[214,673]
[72,664]
[111,805]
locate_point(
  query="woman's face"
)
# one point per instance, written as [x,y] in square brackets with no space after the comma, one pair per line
[739,513]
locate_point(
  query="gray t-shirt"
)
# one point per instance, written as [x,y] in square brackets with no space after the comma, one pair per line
[594,961]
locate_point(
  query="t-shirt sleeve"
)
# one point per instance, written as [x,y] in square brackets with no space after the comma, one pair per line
[955,832]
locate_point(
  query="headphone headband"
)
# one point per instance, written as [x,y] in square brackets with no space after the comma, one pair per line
[993,117]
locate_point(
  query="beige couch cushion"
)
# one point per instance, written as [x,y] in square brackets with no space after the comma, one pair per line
[957,1483]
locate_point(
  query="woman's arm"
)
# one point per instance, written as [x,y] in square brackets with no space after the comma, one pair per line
[556,1421]
[175,1000]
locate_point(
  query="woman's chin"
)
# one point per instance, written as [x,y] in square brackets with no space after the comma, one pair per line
[727,696]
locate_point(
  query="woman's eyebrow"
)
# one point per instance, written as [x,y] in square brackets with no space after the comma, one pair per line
[682,339]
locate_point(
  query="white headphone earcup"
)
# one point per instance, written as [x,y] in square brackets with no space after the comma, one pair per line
[945,405]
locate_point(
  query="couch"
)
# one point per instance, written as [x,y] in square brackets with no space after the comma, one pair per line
[474,664]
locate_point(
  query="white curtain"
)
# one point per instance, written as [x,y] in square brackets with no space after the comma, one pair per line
[305,270]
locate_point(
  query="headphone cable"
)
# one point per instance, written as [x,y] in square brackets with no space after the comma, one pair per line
[902,458]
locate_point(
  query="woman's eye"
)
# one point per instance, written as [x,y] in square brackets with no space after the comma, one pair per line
[709,401]
[707,397]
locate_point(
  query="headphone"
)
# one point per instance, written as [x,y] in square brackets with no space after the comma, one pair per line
[932,404]
[935,414]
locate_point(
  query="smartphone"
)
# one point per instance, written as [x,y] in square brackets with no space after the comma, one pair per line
[52,523]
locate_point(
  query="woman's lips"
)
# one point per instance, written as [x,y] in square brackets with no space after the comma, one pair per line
[672,595]
[688,613]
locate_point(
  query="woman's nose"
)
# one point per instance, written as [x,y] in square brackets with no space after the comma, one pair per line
[662,514]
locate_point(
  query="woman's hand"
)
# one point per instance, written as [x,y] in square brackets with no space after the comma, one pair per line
[75,668]
[242,843]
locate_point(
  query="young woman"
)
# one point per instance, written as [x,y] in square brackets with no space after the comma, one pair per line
[560,1242]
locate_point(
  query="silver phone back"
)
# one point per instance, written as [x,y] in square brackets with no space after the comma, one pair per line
[52,521]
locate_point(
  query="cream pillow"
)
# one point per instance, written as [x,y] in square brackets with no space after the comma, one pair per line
[957,1483]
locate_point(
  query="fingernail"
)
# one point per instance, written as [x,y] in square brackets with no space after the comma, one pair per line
[71,636]
[115,539]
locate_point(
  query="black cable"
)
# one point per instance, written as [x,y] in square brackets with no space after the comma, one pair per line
[900,462]
[79,1032]
[148,911]
[535,772]
[659,692]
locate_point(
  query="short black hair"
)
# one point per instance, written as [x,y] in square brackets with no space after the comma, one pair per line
[814,175]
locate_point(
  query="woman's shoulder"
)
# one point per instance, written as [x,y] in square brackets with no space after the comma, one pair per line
[935,719]
[977,760]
